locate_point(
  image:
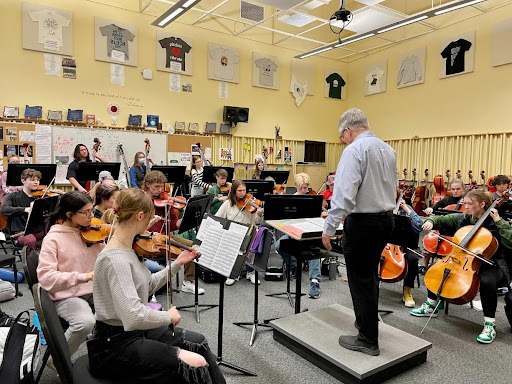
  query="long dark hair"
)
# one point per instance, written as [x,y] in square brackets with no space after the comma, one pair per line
[69,202]
[232,193]
[76,154]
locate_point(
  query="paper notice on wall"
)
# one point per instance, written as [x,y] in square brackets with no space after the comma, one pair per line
[174,82]
[185,159]
[52,65]
[51,44]
[223,90]
[173,158]
[43,139]
[117,74]
[117,56]
[208,153]
[26,135]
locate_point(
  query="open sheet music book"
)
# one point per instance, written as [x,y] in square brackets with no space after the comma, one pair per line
[303,228]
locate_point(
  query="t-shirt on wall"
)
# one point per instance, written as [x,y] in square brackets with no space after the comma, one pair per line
[50,25]
[175,50]
[373,80]
[336,83]
[117,39]
[454,54]
[224,59]
[267,68]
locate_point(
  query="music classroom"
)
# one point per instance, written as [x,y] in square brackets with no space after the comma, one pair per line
[275,191]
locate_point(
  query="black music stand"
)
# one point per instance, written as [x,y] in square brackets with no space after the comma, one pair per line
[175,174]
[280,177]
[259,188]
[41,209]
[48,172]
[210,170]
[90,171]
[197,207]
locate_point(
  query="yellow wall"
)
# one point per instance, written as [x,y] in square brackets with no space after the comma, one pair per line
[473,103]
[23,80]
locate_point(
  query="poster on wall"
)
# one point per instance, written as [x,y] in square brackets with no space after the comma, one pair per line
[304,73]
[223,63]
[411,68]
[457,55]
[226,154]
[335,84]
[115,42]
[47,29]
[375,80]
[174,53]
[501,48]
[265,71]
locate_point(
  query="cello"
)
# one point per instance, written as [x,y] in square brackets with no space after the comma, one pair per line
[455,277]
[448,191]
[440,189]
[421,196]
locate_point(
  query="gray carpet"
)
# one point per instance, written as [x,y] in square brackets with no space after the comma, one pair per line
[456,357]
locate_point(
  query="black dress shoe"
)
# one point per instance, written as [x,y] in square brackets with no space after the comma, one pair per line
[354,344]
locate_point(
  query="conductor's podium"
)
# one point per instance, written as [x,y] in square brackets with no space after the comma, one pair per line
[314,336]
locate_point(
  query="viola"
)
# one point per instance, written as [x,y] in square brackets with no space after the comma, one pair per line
[250,203]
[150,244]
[433,243]
[178,202]
[97,232]
[455,277]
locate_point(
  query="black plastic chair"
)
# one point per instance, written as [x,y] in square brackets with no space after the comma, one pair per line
[30,260]
[7,260]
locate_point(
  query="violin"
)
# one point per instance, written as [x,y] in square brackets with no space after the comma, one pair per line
[44,191]
[178,202]
[250,203]
[455,277]
[224,190]
[150,244]
[97,232]
[280,189]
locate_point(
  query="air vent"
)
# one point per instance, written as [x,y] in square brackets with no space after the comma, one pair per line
[251,12]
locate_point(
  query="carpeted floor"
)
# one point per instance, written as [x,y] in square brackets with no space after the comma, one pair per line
[456,357]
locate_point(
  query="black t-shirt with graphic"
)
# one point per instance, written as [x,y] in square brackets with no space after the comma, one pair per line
[175,50]
[336,83]
[454,54]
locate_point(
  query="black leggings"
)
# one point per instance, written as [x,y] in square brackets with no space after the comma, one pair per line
[150,356]
[412,269]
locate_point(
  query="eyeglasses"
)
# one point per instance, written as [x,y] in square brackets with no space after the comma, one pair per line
[86,213]
[343,132]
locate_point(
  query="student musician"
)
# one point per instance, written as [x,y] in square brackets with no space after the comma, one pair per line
[327,194]
[302,182]
[502,184]
[131,341]
[229,210]
[66,266]
[138,170]
[153,185]
[13,159]
[457,188]
[81,154]
[106,194]
[260,166]
[17,205]
[221,175]
[476,203]
[197,186]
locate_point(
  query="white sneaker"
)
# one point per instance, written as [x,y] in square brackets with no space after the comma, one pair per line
[230,281]
[190,287]
[252,277]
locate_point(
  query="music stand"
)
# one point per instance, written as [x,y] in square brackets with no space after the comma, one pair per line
[88,170]
[48,172]
[197,207]
[175,174]
[279,207]
[41,209]
[259,188]
[210,170]
[280,177]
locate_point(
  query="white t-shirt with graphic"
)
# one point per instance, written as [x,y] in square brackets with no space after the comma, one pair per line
[50,25]
[267,68]
[224,60]
[373,80]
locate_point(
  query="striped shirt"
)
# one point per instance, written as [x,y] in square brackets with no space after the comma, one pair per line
[122,285]
[197,178]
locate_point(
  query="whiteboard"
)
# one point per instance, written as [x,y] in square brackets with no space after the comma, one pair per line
[65,139]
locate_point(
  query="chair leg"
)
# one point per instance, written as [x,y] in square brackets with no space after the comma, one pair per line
[18,293]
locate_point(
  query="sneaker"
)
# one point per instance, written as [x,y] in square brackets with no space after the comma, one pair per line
[407,298]
[252,277]
[190,287]
[425,310]
[293,273]
[51,365]
[314,291]
[488,334]
[230,281]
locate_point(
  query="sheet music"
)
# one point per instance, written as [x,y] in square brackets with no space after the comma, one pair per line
[206,224]
[320,221]
[237,228]
[306,226]
[219,249]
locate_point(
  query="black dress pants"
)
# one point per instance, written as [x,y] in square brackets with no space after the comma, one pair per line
[364,238]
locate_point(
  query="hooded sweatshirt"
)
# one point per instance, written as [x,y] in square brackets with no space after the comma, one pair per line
[64,262]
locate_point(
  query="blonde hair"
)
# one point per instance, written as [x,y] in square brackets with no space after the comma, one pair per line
[153,177]
[300,179]
[480,196]
[129,202]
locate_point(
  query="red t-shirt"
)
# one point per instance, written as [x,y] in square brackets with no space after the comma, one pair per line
[327,194]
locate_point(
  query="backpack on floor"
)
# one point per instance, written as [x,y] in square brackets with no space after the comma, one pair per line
[19,349]
[7,291]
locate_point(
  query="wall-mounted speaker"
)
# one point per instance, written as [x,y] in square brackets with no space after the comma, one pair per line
[236,114]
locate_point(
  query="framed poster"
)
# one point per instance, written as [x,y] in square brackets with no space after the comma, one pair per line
[47,29]
[174,53]
[411,68]
[265,71]
[223,63]
[115,42]
[457,55]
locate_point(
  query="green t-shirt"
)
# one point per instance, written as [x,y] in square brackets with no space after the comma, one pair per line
[216,203]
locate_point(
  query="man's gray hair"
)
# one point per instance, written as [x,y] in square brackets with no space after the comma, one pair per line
[354,119]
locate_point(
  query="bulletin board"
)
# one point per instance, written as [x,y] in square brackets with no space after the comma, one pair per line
[183,143]
[13,136]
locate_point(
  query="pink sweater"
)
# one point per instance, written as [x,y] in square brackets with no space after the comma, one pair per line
[64,262]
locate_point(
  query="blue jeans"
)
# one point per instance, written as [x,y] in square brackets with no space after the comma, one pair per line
[314,265]
[153,266]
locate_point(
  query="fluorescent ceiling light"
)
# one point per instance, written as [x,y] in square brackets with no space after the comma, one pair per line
[407,22]
[177,9]
[316,52]
[457,7]
[354,40]
[188,3]
[170,17]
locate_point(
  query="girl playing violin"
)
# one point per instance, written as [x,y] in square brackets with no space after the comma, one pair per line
[130,340]
[81,154]
[229,210]
[197,186]
[260,166]
[476,203]
[138,169]
[106,194]
[66,266]
[221,175]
